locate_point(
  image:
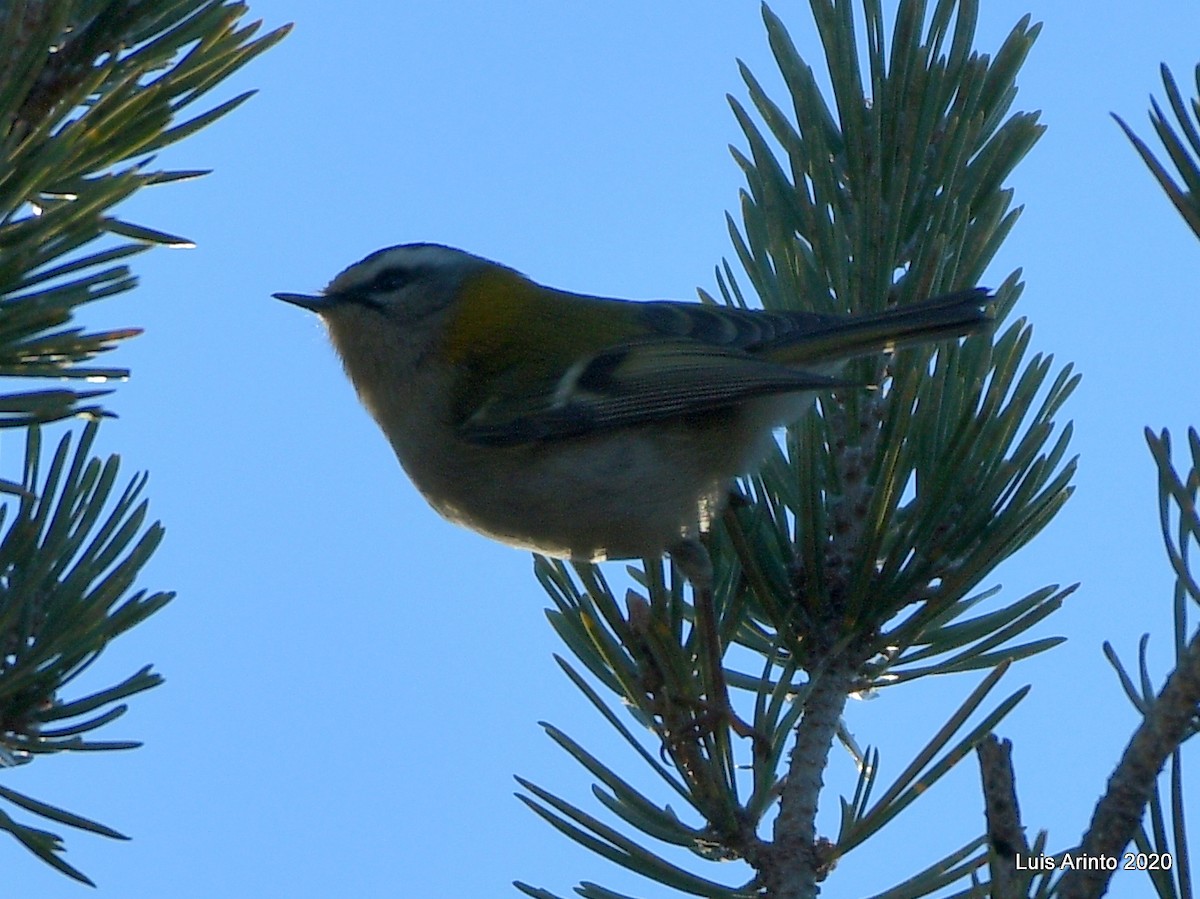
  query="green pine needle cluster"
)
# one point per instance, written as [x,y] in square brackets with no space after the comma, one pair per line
[68,559]
[1182,146]
[90,91]
[855,559]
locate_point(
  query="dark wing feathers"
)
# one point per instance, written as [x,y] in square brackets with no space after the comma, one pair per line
[728,327]
[696,359]
[633,384]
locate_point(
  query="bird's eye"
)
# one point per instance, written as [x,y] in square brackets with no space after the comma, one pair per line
[391,279]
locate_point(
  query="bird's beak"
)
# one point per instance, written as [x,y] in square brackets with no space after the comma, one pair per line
[316,304]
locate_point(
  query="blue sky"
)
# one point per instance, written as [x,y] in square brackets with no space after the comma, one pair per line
[351,681]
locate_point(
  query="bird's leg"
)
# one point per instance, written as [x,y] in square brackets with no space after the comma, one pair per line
[693,560]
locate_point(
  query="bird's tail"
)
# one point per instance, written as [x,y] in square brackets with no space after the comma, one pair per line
[950,315]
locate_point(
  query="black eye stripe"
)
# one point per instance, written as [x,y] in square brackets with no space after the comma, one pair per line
[392,279]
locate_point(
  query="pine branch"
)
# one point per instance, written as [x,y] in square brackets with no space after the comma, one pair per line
[796,860]
[66,569]
[854,555]
[1006,836]
[1168,722]
[1168,718]
[89,90]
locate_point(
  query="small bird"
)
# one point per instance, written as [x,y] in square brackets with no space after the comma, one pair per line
[578,426]
[584,427]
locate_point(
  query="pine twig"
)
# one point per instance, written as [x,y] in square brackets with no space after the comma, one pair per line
[1168,721]
[1006,836]
[796,861]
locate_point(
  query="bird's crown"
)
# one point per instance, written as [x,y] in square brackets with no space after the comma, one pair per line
[389,275]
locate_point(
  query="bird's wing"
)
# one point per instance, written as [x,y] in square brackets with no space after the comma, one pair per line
[726,326]
[641,362]
[813,339]
[632,384]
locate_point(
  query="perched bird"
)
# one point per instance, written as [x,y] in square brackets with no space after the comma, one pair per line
[584,427]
